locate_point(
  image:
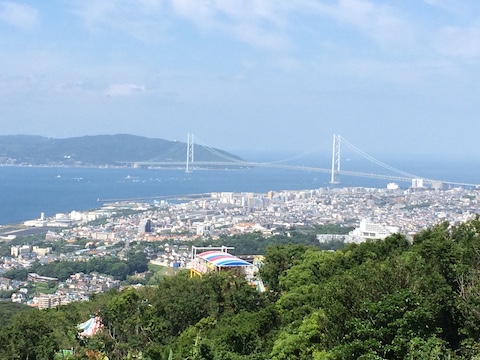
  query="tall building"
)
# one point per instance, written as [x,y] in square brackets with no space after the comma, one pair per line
[145,226]
[16,251]
[417,183]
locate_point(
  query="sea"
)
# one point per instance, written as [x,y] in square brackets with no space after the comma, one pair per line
[27,191]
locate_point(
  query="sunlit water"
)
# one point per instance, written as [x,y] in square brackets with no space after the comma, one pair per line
[28,191]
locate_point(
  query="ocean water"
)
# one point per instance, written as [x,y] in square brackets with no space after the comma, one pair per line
[25,192]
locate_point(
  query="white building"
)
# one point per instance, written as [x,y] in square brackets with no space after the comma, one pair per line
[369,230]
[41,251]
[46,301]
[203,229]
[392,186]
[417,183]
[16,251]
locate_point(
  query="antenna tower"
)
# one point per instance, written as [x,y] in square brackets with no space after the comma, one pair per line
[335,160]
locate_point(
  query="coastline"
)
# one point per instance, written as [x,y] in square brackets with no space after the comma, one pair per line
[31,190]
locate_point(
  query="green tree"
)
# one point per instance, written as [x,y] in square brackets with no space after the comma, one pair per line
[388,327]
[306,341]
[137,262]
[36,336]
[278,260]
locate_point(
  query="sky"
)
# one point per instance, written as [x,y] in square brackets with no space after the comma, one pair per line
[399,77]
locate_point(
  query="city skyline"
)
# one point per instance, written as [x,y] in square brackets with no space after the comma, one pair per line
[255,75]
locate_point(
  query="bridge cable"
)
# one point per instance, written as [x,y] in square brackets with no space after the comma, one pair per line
[168,152]
[294,157]
[378,162]
[216,152]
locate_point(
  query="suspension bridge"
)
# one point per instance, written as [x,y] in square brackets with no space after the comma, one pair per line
[335,171]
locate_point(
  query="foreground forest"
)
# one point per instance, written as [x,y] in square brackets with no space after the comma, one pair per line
[386,299]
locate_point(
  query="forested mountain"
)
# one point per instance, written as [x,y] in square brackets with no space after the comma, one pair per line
[97,150]
[386,299]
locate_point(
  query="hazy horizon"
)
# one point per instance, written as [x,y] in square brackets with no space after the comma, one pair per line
[324,152]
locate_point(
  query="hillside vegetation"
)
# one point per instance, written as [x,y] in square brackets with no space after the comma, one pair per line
[386,299]
[96,150]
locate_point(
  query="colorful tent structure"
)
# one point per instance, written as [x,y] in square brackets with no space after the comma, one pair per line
[222,259]
[215,259]
[90,327]
[208,259]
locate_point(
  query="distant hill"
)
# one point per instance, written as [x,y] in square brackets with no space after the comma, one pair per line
[97,150]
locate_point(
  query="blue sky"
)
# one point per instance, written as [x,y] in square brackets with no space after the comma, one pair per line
[392,77]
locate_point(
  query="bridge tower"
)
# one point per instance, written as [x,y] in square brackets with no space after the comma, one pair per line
[335,160]
[189,152]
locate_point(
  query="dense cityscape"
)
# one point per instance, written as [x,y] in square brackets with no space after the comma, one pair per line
[109,230]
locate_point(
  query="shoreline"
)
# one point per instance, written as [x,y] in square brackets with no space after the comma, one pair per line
[26,231]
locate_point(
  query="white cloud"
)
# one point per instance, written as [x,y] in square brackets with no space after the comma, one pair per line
[210,12]
[265,24]
[463,42]
[438,3]
[257,22]
[260,23]
[20,83]
[381,23]
[88,85]
[451,6]
[273,24]
[124,89]
[96,12]
[141,19]
[18,15]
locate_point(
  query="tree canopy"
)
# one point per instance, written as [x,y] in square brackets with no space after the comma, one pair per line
[383,299]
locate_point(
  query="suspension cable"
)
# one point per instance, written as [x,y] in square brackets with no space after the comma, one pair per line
[378,162]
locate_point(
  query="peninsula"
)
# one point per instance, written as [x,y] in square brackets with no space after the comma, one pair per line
[99,150]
